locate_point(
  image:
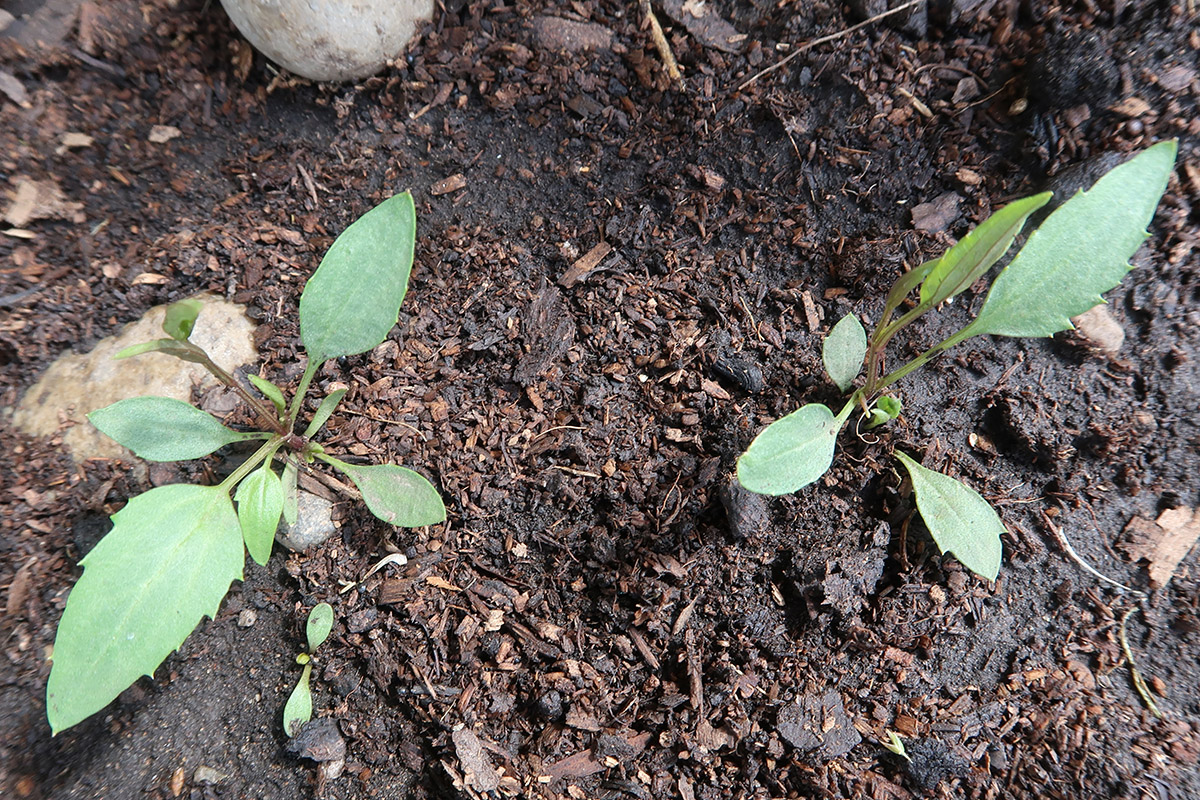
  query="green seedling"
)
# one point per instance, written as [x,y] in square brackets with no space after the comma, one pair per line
[1079,252]
[174,551]
[298,709]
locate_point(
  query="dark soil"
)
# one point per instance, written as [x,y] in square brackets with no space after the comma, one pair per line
[604,615]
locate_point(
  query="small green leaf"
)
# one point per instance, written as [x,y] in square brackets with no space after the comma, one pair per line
[353,299]
[320,623]
[958,519]
[269,391]
[327,407]
[181,318]
[886,409]
[972,257]
[167,562]
[394,494]
[185,351]
[291,495]
[259,505]
[792,452]
[844,350]
[298,708]
[1079,252]
[162,429]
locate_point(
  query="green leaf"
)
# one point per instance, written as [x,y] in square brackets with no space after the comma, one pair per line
[792,452]
[259,505]
[269,391]
[291,495]
[844,350]
[394,494]
[958,519]
[327,407]
[181,318]
[167,562]
[353,299]
[968,260]
[320,623]
[185,351]
[1080,251]
[162,429]
[298,708]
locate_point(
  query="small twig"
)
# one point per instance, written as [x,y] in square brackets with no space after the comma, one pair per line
[1062,539]
[664,47]
[1138,682]
[308,181]
[825,39]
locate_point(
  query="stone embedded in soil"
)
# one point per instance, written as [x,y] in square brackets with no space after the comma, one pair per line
[818,724]
[76,385]
[319,740]
[555,33]
[1101,328]
[314,524]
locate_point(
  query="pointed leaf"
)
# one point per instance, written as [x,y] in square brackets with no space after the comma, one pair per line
[167,562]
[844,350]
[298,708]
[181,318]
[791,452]
[162,429]
[320,623]
[958,519]
[353,299]
[394,494]
[259,505]
[1080,251]
[291,494]
[269,391]
[972,257]
[185,351]
[327,407]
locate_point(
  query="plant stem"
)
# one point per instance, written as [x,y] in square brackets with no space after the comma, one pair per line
[921,360]
[264,453]
[272,420]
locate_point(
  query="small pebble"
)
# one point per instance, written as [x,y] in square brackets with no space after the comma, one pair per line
[247,618]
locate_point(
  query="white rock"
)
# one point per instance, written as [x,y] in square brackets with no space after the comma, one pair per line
[76,385]
[329,40]
[1101,328]
[314,524]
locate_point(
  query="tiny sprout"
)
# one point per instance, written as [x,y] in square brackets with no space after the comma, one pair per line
[896,745]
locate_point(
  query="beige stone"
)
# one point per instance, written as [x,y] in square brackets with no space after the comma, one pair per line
[76,385]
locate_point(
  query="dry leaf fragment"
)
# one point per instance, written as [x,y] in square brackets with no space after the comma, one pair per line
[477,769]
[161,134]
[14,89]
[447,185]
[1130,107]
[41,200]
[1164,543]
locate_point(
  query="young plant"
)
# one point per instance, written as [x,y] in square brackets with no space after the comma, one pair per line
[173,552]
[1079,252]
[298,708]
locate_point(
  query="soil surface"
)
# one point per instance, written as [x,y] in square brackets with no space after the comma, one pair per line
[619,281]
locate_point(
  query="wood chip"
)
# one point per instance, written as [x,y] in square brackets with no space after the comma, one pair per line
[161,134]
[477,770]
[1130,107]
[1163,543]
[585,265]
[811,315]
[447,185]
[937,214]
[13,89]
[41,200]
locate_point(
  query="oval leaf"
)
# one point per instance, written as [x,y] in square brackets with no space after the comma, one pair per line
[298,708]
[353,299]
[269,391]
[320,623]
[1079,252]
[958,519]
[394,494]
[181,318]
[327,407]
[791,452]
[167,562]
[844,350]
[162,429]
[968,260]
[259,506]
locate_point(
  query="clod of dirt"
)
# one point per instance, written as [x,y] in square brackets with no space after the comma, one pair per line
[703,22]
[747,511]
[851,578]
[553,33]
[936,215]
[820,725]
[1073,68]
[931,762]
[477,770]
[319,740]
[739,370]
[914,21]
[314,524]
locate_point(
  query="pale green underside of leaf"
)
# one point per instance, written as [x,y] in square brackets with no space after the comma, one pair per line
[162,429]
[167,562]
[1079,252]
[958,519]
[844,350]
[320,623]
[791,452]
[259,505]
[298,708]
[394,494]
[353,299]
[967,261]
